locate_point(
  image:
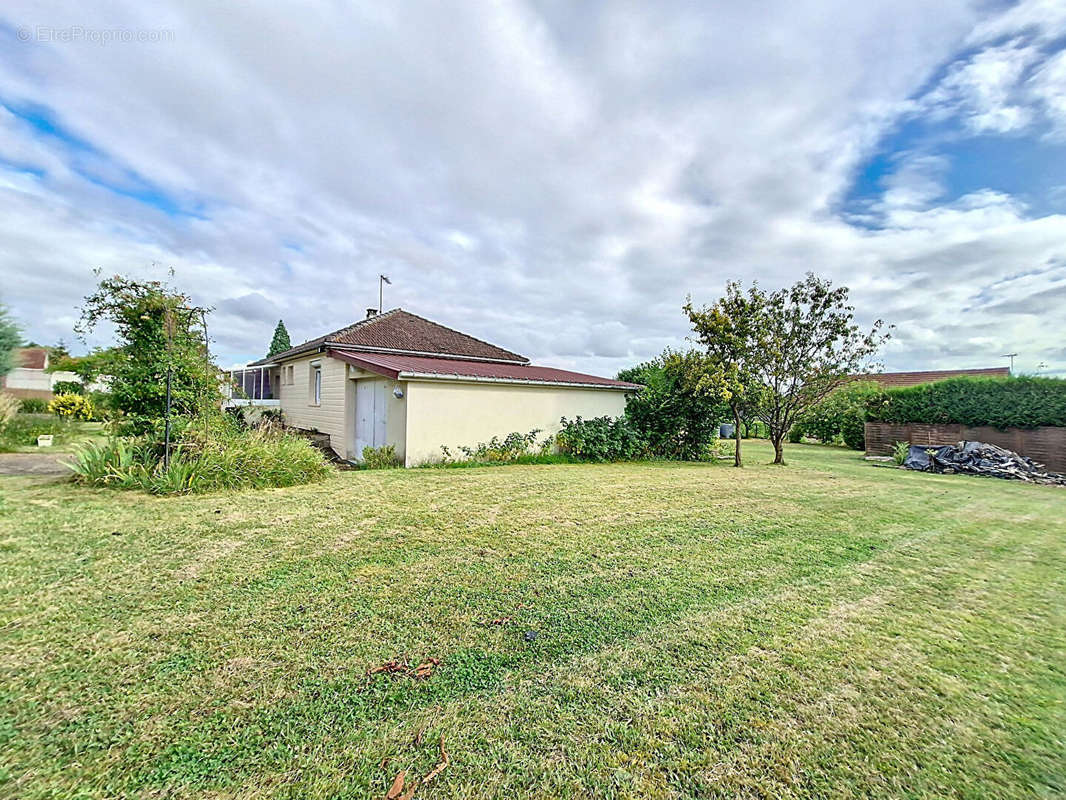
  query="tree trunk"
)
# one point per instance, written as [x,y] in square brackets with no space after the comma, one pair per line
[736,437]
[779,451]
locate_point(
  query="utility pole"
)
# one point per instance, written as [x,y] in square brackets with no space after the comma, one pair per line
[1011,357]
[382,280]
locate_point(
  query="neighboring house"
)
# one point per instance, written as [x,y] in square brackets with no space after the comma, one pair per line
[31,378]
[397,378]
[894,380]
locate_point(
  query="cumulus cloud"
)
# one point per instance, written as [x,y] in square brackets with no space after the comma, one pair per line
[551,176]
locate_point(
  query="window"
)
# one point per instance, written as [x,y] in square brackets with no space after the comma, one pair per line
[289,379]
[317,377]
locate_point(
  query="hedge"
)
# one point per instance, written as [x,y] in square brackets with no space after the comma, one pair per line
[1002,403]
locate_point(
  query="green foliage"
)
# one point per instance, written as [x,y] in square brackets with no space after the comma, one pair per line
[786,350]
[601,439]
[383,457]
[1021,402]
[10,338]
[68,387]
[71,406]
[900,451]
[158,330]
[280,343]
[728,331]
[841,416]
[22,430]
[89,367]
[33,405]
[675,415]
[511,448]
[227,457]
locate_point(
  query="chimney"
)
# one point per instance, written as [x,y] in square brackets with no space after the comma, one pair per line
[371,312]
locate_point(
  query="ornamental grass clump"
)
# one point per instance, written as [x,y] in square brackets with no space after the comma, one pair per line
[223,457]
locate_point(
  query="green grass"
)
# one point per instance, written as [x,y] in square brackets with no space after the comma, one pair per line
[827,629]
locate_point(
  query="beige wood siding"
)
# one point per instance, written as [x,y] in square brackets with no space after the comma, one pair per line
[453,413]
[297,398]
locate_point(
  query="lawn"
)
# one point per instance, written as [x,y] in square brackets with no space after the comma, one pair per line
[827,629]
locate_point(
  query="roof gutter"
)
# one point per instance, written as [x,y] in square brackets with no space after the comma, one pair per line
[435,376]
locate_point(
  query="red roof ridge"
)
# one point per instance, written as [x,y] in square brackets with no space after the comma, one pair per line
[445,337]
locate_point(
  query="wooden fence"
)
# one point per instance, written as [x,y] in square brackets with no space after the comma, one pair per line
[1046,446]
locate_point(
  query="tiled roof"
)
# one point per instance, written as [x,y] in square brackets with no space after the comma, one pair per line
[892,380]
[32,357]
[400,366]
[400,330]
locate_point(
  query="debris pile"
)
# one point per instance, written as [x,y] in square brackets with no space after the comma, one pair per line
[979,458]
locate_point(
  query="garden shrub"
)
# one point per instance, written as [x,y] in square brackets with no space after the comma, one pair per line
[496,450]
[840,418]
[1022,402]
[71,406]
[673,420]
[68,387]
[600,439]
[900,451]
[223,457]
[33,405]
[383,457]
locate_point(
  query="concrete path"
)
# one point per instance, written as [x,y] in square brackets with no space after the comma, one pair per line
[33,463]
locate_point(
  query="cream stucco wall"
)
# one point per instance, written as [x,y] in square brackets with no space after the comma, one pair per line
[297,398]
[453,413]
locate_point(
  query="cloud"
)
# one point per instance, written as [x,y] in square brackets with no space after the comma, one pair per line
[555,177]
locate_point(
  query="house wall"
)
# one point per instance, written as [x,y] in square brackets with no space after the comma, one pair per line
[454,413]
[297,398]
[23,382]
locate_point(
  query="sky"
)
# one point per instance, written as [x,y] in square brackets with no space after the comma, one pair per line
[553,177]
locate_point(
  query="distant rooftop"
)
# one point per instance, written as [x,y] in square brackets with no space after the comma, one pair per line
[892,380]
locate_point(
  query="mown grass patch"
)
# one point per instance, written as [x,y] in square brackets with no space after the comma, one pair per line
[824,629]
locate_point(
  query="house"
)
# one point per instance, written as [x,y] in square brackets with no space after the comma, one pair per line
[399,379]
[894,380]
[31,377]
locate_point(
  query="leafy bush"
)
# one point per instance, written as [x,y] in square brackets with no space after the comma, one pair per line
[22,430]
[840,418]
[33,405]
[225,457]
[900,451]
[1022,402]
[71,406]
[600,439]
[383,457]
[853,430]
[496,450]
[669,414]
[101,401]
[68,387]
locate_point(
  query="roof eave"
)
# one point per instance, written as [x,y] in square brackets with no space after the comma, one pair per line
[436,376]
